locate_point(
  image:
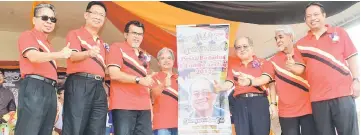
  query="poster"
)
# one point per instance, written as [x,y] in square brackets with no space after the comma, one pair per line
[202,61]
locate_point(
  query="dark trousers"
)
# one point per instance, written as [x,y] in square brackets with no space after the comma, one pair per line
[37,108]
[251,116]
[302,125]
[85,106]
[132,122]
[339,113]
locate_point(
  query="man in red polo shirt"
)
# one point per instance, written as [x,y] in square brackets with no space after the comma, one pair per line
[165,96]
[249,107]
[37,94]
[294,100]
[85,100]
[129,88]
[332,72]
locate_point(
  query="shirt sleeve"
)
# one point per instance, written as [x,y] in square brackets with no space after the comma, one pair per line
[349,48]
[74,42]
[27,42]
[114,57]
[298,58]
[268,69]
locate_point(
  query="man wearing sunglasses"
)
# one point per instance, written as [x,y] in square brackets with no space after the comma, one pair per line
[130,82]
[37,94]
[85,100]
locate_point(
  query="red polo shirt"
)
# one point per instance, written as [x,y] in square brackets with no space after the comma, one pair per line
[251,70]
[165,107]
[327,71]
[79,40]
[128,96]
[292,90]
[36,40]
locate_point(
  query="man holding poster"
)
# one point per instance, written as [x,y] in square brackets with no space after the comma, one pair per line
[250,112]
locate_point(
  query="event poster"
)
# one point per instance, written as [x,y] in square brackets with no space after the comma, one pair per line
[202,54]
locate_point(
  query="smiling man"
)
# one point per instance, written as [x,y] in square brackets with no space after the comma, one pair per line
[129,88]
[37,94]
[203,98]
[332,72]
[85,100]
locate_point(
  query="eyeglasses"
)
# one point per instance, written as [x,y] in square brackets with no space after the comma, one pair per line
[46,18]
[96,13]
[136,33]
[241,46]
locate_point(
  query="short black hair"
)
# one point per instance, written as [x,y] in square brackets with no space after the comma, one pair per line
[316,4]
[136,23]
[92,3]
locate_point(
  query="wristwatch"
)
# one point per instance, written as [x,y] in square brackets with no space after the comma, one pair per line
[137,79]
[250,82]
[274,103]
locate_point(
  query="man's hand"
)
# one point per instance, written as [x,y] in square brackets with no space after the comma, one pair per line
[243,80]
[167,80]
[355,88]
[147,81]
[273,111]
[290,63]
[65,52]
[217,87]
[94,51]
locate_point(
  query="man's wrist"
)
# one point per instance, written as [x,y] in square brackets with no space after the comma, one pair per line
[273,103]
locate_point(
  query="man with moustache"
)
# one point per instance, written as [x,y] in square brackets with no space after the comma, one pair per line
[295,113]
[85,100]
[37,94]
[129,88]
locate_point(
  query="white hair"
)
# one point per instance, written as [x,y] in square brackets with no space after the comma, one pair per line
[163,50]
[286,29]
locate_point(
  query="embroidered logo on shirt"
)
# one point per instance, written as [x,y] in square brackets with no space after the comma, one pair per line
[106,46]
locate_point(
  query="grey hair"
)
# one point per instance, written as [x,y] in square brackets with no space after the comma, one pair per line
[286,29]
[200,80]
[250,41]
[43,5]
[163,50]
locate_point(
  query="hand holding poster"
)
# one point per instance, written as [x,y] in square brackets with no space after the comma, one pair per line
[202,62]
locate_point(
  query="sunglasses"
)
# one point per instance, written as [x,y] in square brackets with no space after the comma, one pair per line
[46,18]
